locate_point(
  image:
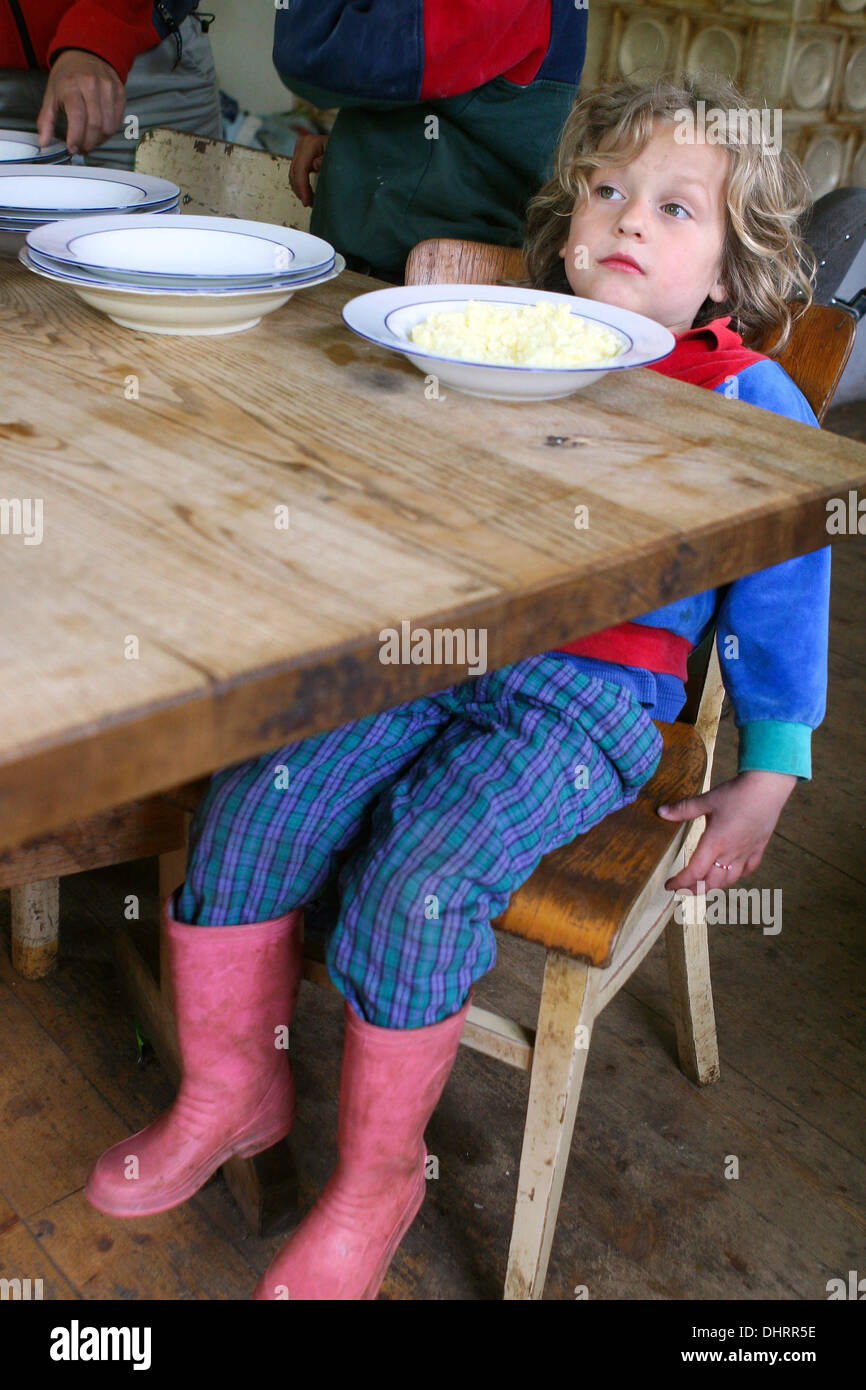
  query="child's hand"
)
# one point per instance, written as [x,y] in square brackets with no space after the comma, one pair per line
[741,817]
[307,159]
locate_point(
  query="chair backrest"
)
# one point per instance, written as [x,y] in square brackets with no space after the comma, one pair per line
[447,261]
[819,346]
[821,341]
[219,179]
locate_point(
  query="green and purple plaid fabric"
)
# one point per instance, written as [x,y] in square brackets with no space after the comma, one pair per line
[422,821]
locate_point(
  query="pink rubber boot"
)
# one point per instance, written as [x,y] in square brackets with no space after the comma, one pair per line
[391,1081]
[235,990]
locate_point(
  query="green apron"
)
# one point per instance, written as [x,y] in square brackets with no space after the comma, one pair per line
[391,177]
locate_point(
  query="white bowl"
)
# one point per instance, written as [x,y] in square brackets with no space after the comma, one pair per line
[201,315]
[182,312]
[386,317]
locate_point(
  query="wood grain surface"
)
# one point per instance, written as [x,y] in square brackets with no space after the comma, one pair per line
[160,463]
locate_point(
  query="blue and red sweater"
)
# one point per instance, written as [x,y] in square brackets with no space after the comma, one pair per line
[776,671]
[415,50]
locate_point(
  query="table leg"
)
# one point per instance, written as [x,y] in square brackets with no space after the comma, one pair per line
[35,927]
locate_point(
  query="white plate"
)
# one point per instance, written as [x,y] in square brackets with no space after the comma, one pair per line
[183,311]
[83,276]
[23,145]
[33,189]
[31,220]
[13,234]
[146,278]
[221,247]
[386,317]
[40,163]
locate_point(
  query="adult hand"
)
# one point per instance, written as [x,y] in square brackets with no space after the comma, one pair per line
[92,95]
[307,159]
[741,817]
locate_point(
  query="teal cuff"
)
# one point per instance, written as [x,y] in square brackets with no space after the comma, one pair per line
[769,745]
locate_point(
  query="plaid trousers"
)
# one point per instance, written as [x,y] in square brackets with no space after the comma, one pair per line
[418,824]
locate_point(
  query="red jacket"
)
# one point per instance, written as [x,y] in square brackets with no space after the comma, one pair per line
[116,30]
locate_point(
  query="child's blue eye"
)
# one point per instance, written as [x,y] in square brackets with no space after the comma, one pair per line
[600,189]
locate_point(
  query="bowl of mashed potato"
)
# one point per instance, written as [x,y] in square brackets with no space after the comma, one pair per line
[506,343]
[517,335]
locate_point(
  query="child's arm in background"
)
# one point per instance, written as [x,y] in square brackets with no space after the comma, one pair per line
[772,638]
[306,160]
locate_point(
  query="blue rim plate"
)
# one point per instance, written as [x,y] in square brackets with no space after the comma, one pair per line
[140,277]
[143,189]
[80,278]
[84,276]
[184,245]
[30,222]
[30,150]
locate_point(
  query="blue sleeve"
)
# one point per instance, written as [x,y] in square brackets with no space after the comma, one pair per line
[345,52]
[772,626]
[768,385]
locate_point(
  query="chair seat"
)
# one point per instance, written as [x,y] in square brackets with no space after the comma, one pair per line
[580,896]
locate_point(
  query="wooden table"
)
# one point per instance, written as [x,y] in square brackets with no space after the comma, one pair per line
[168,624]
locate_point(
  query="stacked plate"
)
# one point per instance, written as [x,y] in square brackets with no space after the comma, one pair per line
[22,147]
[33,194]
[168,273]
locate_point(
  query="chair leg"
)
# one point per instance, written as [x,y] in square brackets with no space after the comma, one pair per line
[35,927]
[689,974]
[567,1004]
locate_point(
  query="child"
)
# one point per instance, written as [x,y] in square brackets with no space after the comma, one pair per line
[454,798]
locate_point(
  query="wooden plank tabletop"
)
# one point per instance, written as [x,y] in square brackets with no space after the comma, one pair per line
[162,463]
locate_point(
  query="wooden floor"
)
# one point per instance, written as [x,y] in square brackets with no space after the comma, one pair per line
[647,1210]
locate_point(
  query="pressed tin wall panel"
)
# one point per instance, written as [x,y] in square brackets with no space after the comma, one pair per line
[804,57]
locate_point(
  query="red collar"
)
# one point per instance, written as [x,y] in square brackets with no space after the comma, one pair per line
[707,356]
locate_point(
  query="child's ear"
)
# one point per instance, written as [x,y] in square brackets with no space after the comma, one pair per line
[562,249]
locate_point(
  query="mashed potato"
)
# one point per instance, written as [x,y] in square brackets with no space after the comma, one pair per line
[534,335]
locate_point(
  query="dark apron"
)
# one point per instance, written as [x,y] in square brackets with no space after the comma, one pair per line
[385,184]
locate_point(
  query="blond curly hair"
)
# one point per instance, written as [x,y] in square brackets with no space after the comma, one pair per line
[765,263]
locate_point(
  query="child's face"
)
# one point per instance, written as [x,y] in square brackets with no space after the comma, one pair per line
[667,211]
